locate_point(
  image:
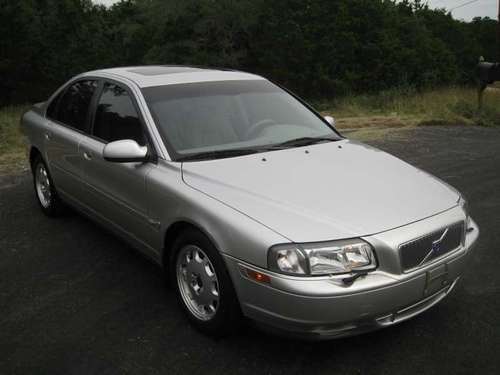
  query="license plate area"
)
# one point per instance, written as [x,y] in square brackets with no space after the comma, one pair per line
[436,279]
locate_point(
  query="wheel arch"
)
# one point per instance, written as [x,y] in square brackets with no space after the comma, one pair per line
[173,231]
[33,153]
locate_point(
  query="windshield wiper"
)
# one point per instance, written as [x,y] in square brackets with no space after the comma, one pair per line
[219,154]
[305,141]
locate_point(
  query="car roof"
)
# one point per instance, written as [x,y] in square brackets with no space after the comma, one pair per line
[160,75]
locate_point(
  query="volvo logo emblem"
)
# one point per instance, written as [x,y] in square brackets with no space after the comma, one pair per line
[435,247]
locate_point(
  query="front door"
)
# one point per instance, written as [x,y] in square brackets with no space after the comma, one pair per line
[117,191]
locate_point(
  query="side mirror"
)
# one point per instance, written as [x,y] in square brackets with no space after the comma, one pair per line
[125,151]
[330,120]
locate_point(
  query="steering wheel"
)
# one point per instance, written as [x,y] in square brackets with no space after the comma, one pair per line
[256,128]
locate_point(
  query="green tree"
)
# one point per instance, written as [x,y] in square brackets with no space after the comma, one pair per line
[317,48]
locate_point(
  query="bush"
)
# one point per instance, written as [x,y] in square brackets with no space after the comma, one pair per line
[487,116]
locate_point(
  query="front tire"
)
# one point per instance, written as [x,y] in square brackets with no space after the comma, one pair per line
[45,192]
[203,285]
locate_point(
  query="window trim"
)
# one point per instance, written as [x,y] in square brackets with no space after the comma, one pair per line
[309,107]
[152,153]
[57,97]
[62,91]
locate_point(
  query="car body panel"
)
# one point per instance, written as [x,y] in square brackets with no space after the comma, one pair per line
[344,189]
[34,126]
[117,191]
[64,159]
[233,233]
[176,75]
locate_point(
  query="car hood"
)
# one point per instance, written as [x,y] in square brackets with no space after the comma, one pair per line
[327,191]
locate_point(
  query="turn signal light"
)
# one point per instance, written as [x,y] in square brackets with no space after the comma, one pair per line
[259,277]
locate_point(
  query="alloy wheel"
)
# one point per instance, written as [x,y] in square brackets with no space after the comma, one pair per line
[43,187]
[197,282]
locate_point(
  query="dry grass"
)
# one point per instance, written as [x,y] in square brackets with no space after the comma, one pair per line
[12,147]
[449,106]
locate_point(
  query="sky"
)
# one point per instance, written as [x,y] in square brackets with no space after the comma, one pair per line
[478,8]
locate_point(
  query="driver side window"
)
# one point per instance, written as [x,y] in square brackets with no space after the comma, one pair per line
[116,117]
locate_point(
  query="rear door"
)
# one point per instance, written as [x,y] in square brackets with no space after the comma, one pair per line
[68,116]
[117,191]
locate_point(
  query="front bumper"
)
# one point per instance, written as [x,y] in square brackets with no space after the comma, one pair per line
[325,307]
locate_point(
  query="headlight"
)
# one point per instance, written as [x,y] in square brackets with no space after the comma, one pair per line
[463,203]
[323,258]
[465,207]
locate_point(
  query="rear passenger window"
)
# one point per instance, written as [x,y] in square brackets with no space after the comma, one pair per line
[52,108]
[116,117]
[73,105]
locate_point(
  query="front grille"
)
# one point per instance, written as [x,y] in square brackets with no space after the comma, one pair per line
[424,249]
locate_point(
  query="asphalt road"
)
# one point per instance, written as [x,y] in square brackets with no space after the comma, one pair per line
[75,300]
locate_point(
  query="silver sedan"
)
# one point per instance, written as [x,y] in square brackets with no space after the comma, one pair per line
[250,200]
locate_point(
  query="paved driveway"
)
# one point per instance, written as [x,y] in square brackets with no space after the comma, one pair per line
[75,300]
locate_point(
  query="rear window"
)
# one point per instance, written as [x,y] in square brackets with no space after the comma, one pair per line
[72,107]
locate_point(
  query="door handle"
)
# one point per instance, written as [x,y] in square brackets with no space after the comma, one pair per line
[87,155]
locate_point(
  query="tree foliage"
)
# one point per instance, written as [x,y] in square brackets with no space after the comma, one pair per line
[318,48]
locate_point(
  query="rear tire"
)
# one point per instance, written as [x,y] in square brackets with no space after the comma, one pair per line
[203,286]
[45,192]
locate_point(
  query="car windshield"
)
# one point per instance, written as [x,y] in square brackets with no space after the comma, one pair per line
[218,119]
